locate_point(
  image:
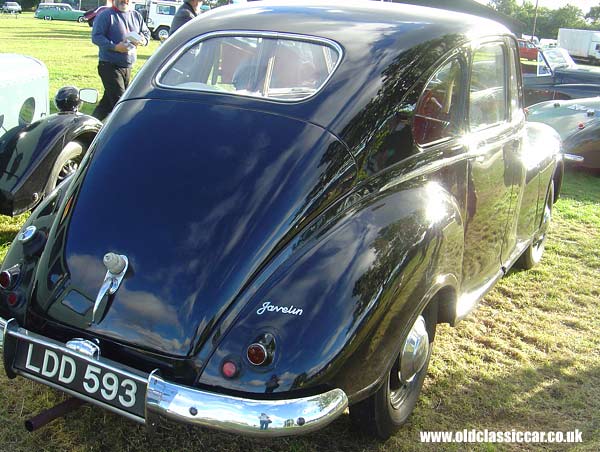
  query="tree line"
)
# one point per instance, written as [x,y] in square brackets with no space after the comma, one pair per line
[548,20]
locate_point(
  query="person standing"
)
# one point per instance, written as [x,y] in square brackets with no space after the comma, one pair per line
[185,13]
[112,33]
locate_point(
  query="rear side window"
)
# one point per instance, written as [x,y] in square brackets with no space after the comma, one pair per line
[437,109]
[487,96]
[165,10]
[269,67]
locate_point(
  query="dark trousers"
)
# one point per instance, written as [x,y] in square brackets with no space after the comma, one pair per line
[115,80]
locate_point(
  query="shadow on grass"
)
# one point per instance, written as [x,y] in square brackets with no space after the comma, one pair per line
[549,397]
[59,33]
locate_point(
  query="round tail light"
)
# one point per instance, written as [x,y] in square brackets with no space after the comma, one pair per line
[5,279]
[12,299]
[257,354]
[229,369]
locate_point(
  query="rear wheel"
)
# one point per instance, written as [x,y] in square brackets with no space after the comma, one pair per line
[383,413]
[534,252]
[162,33]
[65,165]
[80,19]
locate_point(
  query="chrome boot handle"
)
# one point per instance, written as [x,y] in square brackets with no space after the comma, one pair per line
[116,266]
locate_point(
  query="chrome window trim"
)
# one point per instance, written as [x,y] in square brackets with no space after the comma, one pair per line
[252,34]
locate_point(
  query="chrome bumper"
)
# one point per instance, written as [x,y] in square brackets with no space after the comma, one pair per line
[194,406]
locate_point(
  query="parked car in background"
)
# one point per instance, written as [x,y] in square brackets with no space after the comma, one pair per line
[90,15]
[548,43]
[37,150]
[577,122]
[58,11]
[11,8]
[361,182]
[528,50]
[23,91]
[555,76]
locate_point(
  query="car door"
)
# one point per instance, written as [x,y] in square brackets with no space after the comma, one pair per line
[492,144]
[538,81]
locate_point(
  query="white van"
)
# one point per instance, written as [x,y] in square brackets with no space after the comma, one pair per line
[158,15]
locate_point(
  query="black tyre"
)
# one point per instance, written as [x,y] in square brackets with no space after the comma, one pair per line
[534,252]
[383,413]
[65,165]
[47,17]
[80,19]
[162,33]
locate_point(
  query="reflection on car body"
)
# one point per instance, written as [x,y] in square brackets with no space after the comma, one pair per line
[367,173]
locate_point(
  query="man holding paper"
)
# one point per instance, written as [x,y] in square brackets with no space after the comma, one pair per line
[117,32]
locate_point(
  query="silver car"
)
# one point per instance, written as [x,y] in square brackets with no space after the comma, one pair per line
[11,8]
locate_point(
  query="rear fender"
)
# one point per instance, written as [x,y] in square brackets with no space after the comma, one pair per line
[26,256]
[338,310]
[28,154]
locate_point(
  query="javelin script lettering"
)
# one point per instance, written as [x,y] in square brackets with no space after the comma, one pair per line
[267,306]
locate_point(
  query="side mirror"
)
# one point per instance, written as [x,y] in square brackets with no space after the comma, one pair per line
[88,95]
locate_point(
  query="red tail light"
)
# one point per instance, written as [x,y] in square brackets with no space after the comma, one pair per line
[12,299]
[8,278]
[257,354]
[5,279]
[229,369]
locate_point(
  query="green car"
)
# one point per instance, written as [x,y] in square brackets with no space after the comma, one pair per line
[58,11]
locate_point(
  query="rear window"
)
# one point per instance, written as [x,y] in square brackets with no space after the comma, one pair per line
[276,68]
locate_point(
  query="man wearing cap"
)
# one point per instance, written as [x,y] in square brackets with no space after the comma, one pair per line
[117,32]
[185,13]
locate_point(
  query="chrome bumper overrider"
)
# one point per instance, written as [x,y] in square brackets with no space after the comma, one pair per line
[186,404]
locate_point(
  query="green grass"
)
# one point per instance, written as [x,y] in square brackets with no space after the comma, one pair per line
[64,47]
[527,359]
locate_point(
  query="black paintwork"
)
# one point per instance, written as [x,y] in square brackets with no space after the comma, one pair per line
[224,203]
[28,153]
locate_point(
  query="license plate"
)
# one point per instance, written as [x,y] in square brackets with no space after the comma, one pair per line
[89,377]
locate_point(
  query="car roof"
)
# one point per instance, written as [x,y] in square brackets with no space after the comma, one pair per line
[373,36]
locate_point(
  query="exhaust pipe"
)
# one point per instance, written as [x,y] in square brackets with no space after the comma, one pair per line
[53,413]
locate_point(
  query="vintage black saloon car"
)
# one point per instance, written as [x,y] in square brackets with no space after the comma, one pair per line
[286,202]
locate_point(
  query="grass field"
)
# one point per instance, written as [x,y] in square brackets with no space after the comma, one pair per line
[527,359]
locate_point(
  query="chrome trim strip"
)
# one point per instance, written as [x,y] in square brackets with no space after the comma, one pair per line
[251,33]
[267,418]
[573,158]
[199,407]
[424,170]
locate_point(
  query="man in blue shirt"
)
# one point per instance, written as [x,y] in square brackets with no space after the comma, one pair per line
[117,32]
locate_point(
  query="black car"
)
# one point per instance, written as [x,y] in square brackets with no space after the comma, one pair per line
[282,207]
[555,76]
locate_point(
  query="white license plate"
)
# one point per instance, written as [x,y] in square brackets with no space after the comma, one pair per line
[89,377]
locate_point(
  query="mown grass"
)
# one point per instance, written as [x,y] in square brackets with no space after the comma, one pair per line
[64,47]
[527,359]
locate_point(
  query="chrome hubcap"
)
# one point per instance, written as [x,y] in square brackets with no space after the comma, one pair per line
[415,350]
[538,247]
[411,361]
